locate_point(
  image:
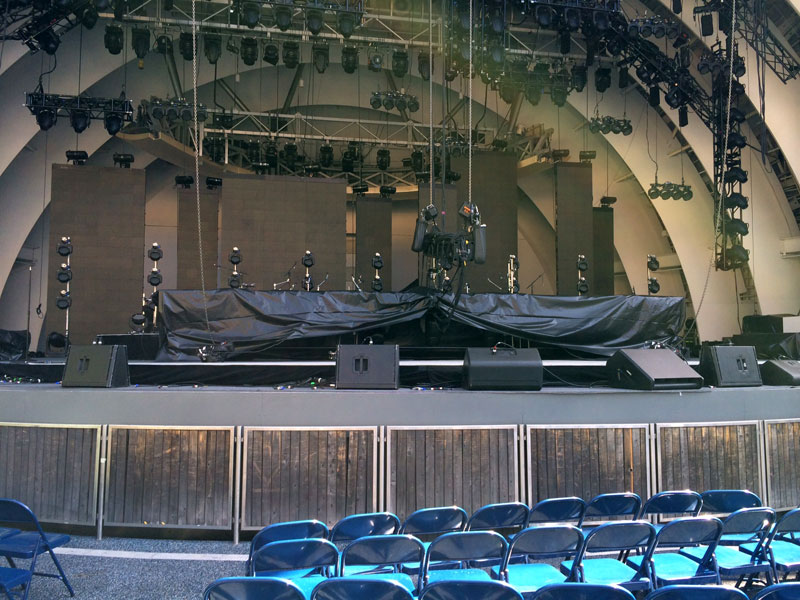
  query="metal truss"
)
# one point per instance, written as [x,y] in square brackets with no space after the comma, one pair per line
[63,105]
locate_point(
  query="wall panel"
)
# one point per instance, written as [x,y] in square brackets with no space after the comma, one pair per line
[188,258]
[782,441]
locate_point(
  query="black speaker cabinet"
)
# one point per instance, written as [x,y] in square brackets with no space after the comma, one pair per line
[658,369]
[781,372]
[368,367]
[96,366]
[503,369]
[729,366]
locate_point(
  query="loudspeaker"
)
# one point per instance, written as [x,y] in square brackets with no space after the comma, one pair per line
[706,25]
[501,368]
[729,366]
[658,369]
[368,367]
[96,366]
[781,372]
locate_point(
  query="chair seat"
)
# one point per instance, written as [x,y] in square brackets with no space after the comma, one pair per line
[729,560]
[787,555]
[307,584]
[23,545]
[607,571]
[11,578]
[673,568]
[735,539]
[458,575]
[401,578]
[6,532]
[530,577]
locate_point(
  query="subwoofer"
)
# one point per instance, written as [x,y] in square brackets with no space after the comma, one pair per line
[658,369]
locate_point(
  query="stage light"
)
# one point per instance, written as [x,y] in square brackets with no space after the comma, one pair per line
[283,17]
[291,54]
[673,30]
[607,201]
[737,255]
[602,79]
[79,119]
[114,39]
[326,155]
[271,155]
[64,247]
[688,194]
[45,118]
[112,122]
[601,21]
[533,93]
[401,102]
[544,16]
[155,253]
[594,125]
[659,29]
[375,100]
[271,54]
[347,24]
[89,17]
[565,41]
[154,278]
[249,51]
[388,101]
[63,301]
[384,159]
[212,47]
[666,191]
[572,18]
[605,125]
[348,161]
[582,287]
[652,263]
[386,191]
[735,227]
[185,45]
[315,20]
[654,191]
[737,116]
[375,62]
[120,8]
[123,160]
[654,96]
[64,273]
[645,28]
[321,55]
[582,264]
[400,63]
[736,140]
[424,64]
[653,286]
[235,257]
[360,188]
[558,92]
[48,41]
[633,28]
[683,116]
[677,6]
[736,200]
[417,161]
[235,280]
[579,77]
[172,110]
[675,98]
[736,175]
[350,59]
[290,155]
[140,42]
[587,155]
[185,181]
[413,104]
[213,183]
[627,128]
[250,14]
[308,259]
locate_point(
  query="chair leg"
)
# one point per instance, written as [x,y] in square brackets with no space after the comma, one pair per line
[61,571]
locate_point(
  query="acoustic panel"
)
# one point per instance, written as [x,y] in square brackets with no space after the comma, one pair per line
[601,275]
[374,234]
[188,258]
[574,225]
[102,210]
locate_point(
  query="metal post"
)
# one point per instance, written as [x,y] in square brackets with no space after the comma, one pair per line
[28,326]
[237,467]
[102,490]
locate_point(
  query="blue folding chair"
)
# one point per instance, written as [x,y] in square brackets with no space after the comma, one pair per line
[432,522]
[305,562]
[782,546]
[672,568]
[362,525]
[671,503]
[358,588]
[252,588]
[465,548]
[780,591]
[11,578]
[539,543]
[30,544]
[382,555]
[505,515]
[724,502]
[290,530]
[621,537]
[558,510]
[612,507]
[582,591]
[470,590]
[752,524]
[696,592]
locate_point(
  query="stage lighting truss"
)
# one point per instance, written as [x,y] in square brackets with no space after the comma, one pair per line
[81,110]
[394,100]
[174,110]
[608,124]
[670,191]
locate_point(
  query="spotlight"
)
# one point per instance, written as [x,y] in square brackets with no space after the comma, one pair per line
[185,45]
[271,54]
[683,116]
[123,160]
[291,54]
[736,200]
[544,16]
[140,42]
[212,46]
[388,101]
[154,278]
[235,280]
[652,262]
[627,128]
[737,116]
[675,97]
[79,119]
[315,20]
[654,191]
[375,62]
[375,100]
[386,191]
[348,161]
[321,55]
[587,155]
[666,190]
[582,264]
[602,79]
[290,155]
[417,161]
[56,340]
[64,273]
[250,14]
[163,45]
[377,260]
[400,63]
[607,201]
[235,257]
[213,183]
[565,41]
[283,17]
[735,227]
[45,118]
[350,59]
[646,28]
[654,96]
[688,194]
[63,301]
[89,17]
[582,287]
[249,51]
[185,181]
[401,102]
[659,30]
[413,104]
[673,29]
[172,111]
[384,159]
[112,122]
[114,39]
[579,77]
[736,175]
[653,286]
[736,140]
[737,255]
[347,23]
[325,156]
[48,41]
[155,253]
[424,65]
[360,188]
[64,247]
[572,18]
[605,125]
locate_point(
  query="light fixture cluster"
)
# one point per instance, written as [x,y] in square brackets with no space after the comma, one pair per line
[394,100]
[172,110]
[81,110]
[610,124]
[670,191]
[654,27]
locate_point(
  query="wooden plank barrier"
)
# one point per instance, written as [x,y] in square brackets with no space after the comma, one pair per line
[441,466]
[53,469]
[299,473]
[782,465]
[585,461]
[175,477]
[705,456]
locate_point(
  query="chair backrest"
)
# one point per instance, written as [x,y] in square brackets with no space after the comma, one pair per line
[755,521]
[690,531]
[290,530]
[14,511]
[619,536]
[361,525]
[545,542]
[437,520]
[290,555]
[359,588]
[612,506]
[558,510]
[465,546]
[582,591]
[469,590]
[728,501]
[252,588]
[788,523]
[780,591]
[678,502]
[382,550]
[499,516]
[697,592]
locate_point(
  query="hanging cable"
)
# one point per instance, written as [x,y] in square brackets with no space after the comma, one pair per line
[469,117]
[430,95]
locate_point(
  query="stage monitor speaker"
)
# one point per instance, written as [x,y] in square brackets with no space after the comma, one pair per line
[781,372]
[96,366]
[658,369]
[729,366]
[500,368]
[368,367]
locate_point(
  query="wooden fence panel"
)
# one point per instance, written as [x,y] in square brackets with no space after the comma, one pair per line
[783,467]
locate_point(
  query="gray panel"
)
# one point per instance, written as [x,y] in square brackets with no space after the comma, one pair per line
[188,248]
[783,469]
[574,232]
[374,234]
[601,275]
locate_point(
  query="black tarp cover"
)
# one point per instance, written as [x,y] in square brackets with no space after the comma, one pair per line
[12,344]
[251,322]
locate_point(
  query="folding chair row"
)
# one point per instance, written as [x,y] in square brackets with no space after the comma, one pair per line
[780,548]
